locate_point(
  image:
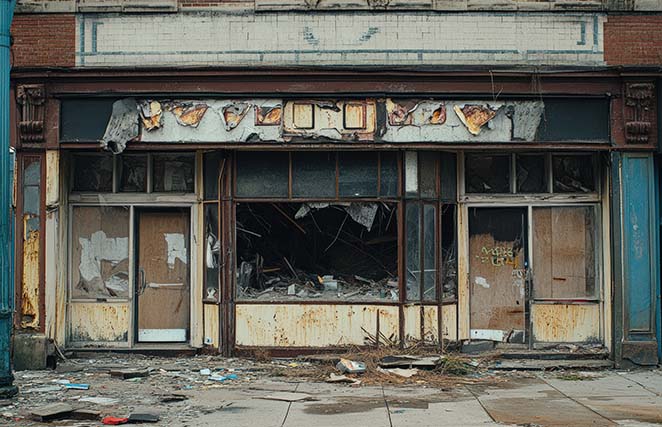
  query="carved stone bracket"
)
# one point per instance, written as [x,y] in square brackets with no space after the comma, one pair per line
[638,114]
[32,99]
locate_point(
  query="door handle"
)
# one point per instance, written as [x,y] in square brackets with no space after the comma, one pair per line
[142,283]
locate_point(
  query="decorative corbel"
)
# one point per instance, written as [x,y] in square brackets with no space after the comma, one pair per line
[32,99]
[638,111]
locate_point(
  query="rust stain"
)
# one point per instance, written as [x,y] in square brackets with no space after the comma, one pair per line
[30,280]
[234,114]
[303,116]
[474,117]
[94,322]
[268,116]
[565,322]
[189,114]
[151,114]
[400,113]
[355,116]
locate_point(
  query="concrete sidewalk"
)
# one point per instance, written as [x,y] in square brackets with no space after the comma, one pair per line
[604,399]
[182,393]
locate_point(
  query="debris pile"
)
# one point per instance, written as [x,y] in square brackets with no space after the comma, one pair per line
[340,251]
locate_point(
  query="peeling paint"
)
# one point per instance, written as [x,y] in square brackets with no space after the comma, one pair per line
[188,114]
[98,322]
[268,116]
[565,322]
[475,116]
[122,127]
[176,248]
[102,264]
[30,284]
[150,114]
[332,120]
[234,114]
[481,281]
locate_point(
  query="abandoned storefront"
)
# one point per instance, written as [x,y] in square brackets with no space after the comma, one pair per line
[236,224]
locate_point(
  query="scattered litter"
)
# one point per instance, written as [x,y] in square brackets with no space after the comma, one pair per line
[289,397]
[129,373]
[85,414]
[350,366]
[73,386]
[114,421]
[404,373]
[143,418]
[100,400]
[406,361]
[63,382]
[221,378]
[46,389]
[174,397]
[205,371]
[51,412]
[333,378]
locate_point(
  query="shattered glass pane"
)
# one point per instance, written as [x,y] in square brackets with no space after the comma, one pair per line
[429,253]
[212,168]
[93,173]
[174,172]
[133,173]
[413,245]
[388,180]
[357,174]
[262,174]
[427,163]
[531,173]
[212,253]
[573,173]
[100,252]
[314,174]
[449,252]
[317,251]
[487,173]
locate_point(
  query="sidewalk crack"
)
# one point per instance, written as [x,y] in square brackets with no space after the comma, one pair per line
[388,410]
[289,405]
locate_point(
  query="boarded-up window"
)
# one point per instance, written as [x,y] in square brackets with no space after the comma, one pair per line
[564,252]
[100,252]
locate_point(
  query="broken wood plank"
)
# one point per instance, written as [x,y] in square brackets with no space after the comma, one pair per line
[51,412]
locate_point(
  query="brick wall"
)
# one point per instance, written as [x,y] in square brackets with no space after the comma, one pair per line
[633,40]
[44,40]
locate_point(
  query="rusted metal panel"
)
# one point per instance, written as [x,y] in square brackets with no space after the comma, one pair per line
[211,326]
[421,324]
[98,322]
[314,325]
[566,322]
[30,312]
[330,119]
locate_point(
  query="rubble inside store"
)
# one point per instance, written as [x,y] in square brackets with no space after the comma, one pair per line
[325,251]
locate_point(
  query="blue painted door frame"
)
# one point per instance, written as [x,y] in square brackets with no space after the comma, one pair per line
[636,263]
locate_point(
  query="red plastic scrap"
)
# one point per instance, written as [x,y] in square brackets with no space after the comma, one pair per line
[113,421]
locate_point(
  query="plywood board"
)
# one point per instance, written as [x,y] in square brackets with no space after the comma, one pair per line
[288,325]
[98,322]
[163,271]
[563,252]
[211,327]
[497,268]
[566,322]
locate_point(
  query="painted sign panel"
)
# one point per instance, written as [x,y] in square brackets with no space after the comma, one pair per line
[348,39]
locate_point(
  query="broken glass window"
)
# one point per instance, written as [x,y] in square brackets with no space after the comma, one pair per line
[262,174]
[487,173]
[413,245]
[314,174]
[427,163]
[174,172]
[31,193]
[564,255]
[212,253]
[93,172]
[429,253]
[212,168]
[531,173]
[573,173]
[357,174]
[388,180]
[448,176]
[100,252]
[133,173]
[317,251]
[448,252]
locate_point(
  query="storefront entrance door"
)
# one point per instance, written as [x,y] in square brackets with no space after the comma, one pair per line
[162,279]
[497,266]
